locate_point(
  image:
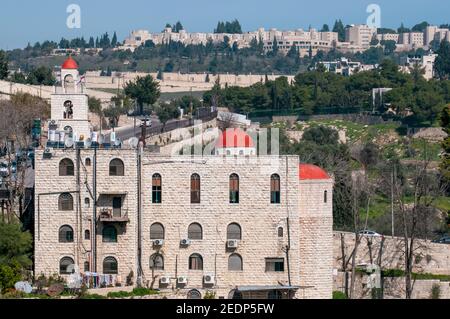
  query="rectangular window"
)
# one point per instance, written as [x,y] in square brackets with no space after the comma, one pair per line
[117,206]
[275,264]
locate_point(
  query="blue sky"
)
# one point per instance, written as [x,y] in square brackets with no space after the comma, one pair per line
[23,21]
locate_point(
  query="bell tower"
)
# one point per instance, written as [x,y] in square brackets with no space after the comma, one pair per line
[69,105]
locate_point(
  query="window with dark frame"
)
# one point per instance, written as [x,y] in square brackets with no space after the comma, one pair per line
[87,234]
[235,262]
[117,206]
[157,231]
[87,162]
[86,266]
[234,189]
[274,264]
[195,232]
[195,262]
[157,262]
[280,232]
[109,234]
[275,197]
[64,264]
[65,202]
[110,266]
[66,167]
[156,189]
[66,234]
[116,168]
[195,189]
[234,231]
[325,196]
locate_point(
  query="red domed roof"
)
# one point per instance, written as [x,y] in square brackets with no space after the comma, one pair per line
[234,138]
[308,172]
[69,64]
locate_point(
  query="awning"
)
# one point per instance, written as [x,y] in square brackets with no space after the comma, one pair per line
[265,288]
[112,193]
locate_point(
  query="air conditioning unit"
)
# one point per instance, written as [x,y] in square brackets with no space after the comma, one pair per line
[165,280]
[209,280]
[185,242]
[158,242]
[182,280]
[232,243]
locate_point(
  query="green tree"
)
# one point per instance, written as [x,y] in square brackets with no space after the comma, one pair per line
[340,29]
[95,106]
[41,76]
[445,122]
[325,28]
[114,40]
[389,46]
[421,27]
[3,65]
[145,90]
[167,112]
[442,63]
[15,246]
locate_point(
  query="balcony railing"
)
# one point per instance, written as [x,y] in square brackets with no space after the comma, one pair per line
[110,215]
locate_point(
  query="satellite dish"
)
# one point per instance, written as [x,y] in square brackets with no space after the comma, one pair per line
[23,286]
[69,142]
[87,143]
[134,142]
[117,142]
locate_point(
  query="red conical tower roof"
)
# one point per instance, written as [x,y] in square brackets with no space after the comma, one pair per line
[69,64]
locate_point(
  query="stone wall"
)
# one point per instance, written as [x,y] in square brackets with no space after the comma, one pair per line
[305,218]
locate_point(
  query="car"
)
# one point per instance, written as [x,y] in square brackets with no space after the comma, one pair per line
[146,122]
[443,240]
[369,233]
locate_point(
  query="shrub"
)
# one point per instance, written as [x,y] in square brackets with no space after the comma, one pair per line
[339,295]
[119,294]
[93,296]
[210,295]
[13,294]
[435,292]
[9,276]
[143,292]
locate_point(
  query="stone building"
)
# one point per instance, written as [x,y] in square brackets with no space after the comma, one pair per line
[238,225]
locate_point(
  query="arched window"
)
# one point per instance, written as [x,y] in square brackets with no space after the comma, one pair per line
[195,262]
[87,162]
[195,189]
[280,232]
[194,294]
[87,234]
[234,231]
[109,234]
[235,262]
[110,266]
[156,189]
[157,262]
[86,266]
[275,189]
[66,266]
[234,189]
[65,202]
[275,294]
[156,231]
[325,196]
[116,168]
[66,167]
[195,232]
[66,234]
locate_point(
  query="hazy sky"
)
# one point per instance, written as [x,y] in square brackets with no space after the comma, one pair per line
[23,21]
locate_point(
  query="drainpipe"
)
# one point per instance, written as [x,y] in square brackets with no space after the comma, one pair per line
[139,214]
[94,215]
[288,247]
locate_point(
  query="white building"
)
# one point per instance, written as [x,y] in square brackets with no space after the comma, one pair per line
[238,225]
[360,35]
